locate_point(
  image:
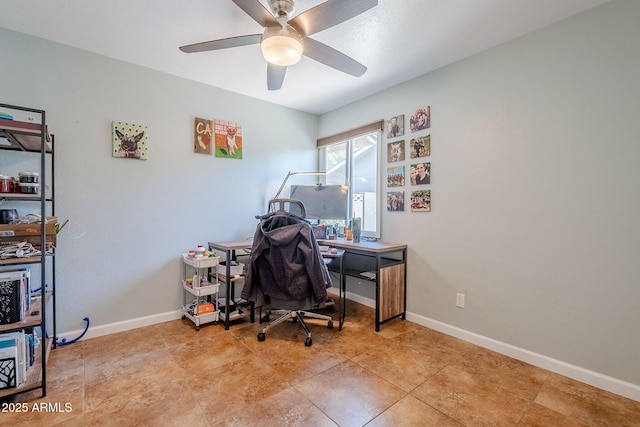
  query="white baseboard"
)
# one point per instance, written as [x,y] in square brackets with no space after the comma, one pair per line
[614,385]
[125,325]
[353,297]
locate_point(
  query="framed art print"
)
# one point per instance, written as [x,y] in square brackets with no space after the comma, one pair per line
[129,140]
[395,151]
[420,119]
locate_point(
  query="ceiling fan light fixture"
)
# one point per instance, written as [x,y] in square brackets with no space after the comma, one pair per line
[281,47]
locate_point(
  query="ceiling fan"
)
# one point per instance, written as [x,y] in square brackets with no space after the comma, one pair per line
[285,40]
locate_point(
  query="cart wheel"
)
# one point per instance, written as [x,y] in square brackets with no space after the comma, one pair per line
[308,342]
[261,336]
[330,324]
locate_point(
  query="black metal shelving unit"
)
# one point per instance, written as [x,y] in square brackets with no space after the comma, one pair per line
[31,137]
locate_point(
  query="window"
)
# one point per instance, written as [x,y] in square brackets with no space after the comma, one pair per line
[354,160]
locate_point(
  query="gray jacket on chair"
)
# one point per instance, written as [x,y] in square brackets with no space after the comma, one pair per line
[286,262]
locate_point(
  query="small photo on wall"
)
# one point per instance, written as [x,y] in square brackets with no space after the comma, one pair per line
[395,151]
[420,119]
[395,201]
[421,201]
[228,137]
[395,126]
[203,136]
[395,176]
[420,146]
[129,140]
[420,173]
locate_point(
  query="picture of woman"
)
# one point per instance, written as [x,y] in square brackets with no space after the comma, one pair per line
[423,173]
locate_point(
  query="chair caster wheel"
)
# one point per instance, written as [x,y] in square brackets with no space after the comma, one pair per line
[330,324]
[184,317]
[261,336]
[308,342]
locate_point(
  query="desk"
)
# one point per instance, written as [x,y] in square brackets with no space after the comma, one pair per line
[383,263]
[230,249]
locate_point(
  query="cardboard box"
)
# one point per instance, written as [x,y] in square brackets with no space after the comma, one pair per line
[29,233]
[19,230]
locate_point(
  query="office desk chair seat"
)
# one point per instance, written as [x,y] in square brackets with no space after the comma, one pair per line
[291,310]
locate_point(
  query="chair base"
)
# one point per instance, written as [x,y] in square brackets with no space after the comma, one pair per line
[296,316]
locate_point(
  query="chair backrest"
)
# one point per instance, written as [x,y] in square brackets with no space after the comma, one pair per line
[292,206]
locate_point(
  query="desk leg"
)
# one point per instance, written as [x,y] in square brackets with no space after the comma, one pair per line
[343,292]
[377,292]
[227,295]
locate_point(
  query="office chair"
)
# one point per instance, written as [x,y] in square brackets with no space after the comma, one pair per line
[291,206]
[286,266]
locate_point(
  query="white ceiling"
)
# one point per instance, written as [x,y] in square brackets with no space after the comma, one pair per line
[397,40]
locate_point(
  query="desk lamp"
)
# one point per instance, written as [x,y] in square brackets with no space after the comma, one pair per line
[286,178]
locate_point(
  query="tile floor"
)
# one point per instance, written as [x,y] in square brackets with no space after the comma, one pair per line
[405,375]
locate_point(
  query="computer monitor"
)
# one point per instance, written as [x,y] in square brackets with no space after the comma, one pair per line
[322,201]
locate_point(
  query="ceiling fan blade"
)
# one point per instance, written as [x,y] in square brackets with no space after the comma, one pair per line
[328,14]
[257,11]
[333,58]
[222,43]
[275,76]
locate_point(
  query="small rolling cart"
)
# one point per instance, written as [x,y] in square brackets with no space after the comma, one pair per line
[201,304]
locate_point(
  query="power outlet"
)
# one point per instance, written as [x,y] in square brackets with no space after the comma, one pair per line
[460,300]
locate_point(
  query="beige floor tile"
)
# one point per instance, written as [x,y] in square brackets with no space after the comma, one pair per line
[437,345]
[284,351]
[349,394]
[400,364]
[587,404]
[225,390]
[520,378]
[286,408]
[471,399]
[411,412]
[540,416]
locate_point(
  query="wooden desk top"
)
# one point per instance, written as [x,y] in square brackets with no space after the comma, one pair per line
[364,246]
[338,243]
[232,244]
[329,254]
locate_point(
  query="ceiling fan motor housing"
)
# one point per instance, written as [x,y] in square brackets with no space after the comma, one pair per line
[282,8]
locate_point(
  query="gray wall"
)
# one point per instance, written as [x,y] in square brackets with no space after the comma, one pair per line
[535,199]
[131,220]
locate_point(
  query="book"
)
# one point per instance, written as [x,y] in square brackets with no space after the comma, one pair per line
[20,343]
[8,363]
[12,305]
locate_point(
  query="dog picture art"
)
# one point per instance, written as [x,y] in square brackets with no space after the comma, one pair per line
[129,140]
[228,139]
